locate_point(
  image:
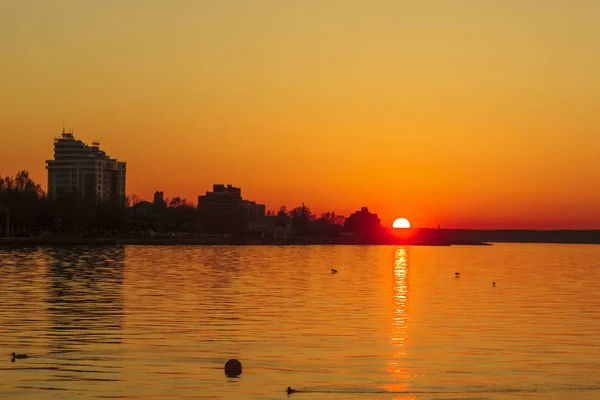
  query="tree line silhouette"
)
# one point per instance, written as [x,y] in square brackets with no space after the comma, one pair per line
[31,212]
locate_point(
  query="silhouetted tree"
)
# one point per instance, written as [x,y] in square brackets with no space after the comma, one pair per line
[23,198]
[109,216]
[282,212]
[178,217]
[328,225]
[132,200]
[301,217]
[177,202]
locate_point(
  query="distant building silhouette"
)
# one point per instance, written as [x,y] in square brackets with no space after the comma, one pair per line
[84,172]
[143,210]
[282,229]
[159,200]
[363,224]
[221,199]
[254,210]
[224,210]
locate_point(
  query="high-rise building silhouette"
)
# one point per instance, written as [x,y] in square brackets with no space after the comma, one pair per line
[83,172]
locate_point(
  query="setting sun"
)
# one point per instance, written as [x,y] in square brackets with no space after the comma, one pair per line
[401,223]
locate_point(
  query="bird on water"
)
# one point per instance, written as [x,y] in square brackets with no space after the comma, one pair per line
[17,356]
[333,271]
[457,274]
[290,390]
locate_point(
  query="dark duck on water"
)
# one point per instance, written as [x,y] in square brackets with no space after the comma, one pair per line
[17,356]
[290,390]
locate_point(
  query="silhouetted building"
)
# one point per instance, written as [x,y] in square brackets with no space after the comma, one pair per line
[282,229]
[84,172]
[363,224]
[221,196]
[223,210]
[143,210]
[159,200]
[270,227]
[254,210]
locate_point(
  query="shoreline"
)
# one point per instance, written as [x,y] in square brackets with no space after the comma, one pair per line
[213,241]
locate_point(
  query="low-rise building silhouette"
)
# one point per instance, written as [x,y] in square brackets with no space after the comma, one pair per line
[224,210]
[159,200]
[363,225]
[143,210]
[282,229]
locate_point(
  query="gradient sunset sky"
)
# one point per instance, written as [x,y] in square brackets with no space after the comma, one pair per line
[480,114]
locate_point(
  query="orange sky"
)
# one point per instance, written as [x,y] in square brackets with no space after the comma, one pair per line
[462,113]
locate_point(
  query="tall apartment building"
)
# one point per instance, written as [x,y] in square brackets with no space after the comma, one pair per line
[84,172]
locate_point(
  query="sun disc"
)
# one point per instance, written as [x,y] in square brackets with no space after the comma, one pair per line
[401,223]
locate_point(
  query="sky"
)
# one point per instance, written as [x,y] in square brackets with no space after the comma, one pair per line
[467,114]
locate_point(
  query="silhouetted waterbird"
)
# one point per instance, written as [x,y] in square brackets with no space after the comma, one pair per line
[457,274]
[493,283]
[290,390]
[333,271]
[17,356]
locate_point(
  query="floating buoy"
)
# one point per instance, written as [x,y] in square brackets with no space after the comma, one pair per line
[233,367]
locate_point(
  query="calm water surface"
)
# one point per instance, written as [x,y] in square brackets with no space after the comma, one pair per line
[394,323]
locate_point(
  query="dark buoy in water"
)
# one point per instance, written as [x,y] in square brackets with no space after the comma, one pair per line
[233,368]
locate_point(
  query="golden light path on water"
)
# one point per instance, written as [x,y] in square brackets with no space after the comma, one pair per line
[396,366]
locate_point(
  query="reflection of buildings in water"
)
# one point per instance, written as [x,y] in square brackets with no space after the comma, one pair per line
[225,263]
[222,295]
[400,291]
[23,289]
[85,296]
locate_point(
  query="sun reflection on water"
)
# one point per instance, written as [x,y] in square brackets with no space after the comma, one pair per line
[397,368]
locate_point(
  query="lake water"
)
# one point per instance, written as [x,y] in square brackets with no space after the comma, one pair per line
[393,323]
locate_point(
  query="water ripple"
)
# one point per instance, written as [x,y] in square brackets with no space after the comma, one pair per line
[394,323]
